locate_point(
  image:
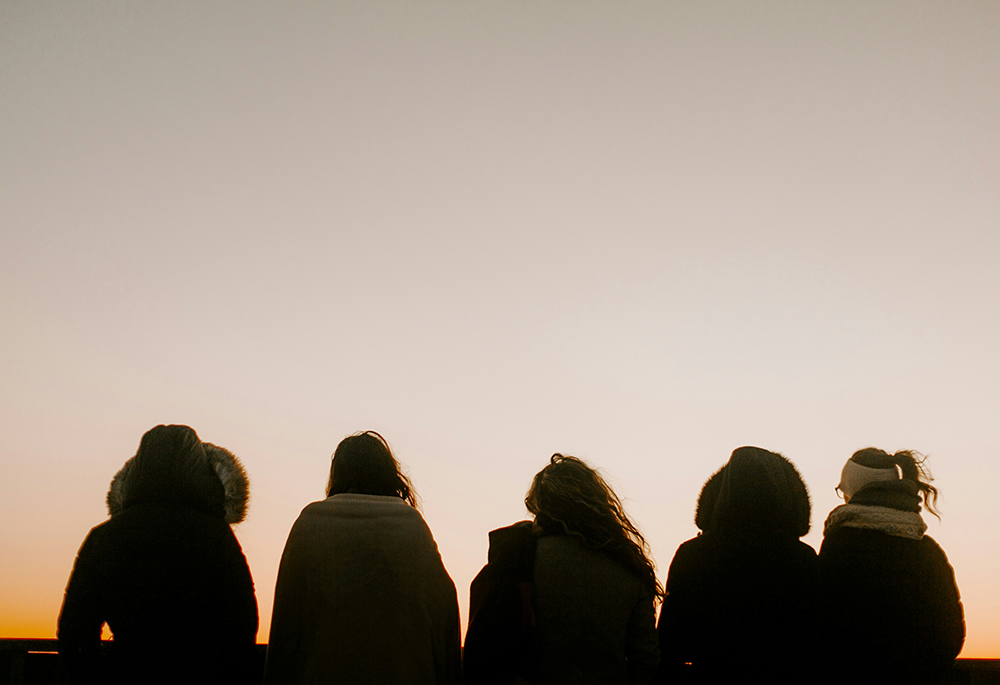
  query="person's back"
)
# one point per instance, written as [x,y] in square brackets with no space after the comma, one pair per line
[593,616]
[362,594]
[894,604]
[740,596]
[175,593]
[590,616]
[890,608]
[736,607]
[165,572]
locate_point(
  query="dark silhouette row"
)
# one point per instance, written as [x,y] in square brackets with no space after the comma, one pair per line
[362,595]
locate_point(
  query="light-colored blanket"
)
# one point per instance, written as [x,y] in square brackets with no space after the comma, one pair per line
[362,597]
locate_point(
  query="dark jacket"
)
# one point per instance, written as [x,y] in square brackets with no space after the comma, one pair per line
[500,641]
[740,597]
[890,608]
[596,620]
[588,619]
[165,572]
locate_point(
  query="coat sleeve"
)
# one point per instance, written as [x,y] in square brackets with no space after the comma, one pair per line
[949,616]
[642,651]
[241,618]
[448,660]
[82,616]
[244,598]
[678,615]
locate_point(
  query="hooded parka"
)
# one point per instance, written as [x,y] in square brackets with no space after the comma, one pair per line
[739,602]
[165,572]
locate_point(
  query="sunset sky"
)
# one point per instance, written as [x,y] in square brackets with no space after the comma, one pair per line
[643,234]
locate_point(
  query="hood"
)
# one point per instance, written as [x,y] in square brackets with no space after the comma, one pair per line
[756,490]
[707,499]
[173,466]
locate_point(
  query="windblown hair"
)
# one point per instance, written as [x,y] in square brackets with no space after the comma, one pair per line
[363,464]
[570,498]
[911,467]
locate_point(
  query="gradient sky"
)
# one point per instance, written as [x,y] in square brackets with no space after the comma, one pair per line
[644,234]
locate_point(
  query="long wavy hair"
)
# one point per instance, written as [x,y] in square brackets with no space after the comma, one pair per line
[568,497]
[911,467]
[363,464]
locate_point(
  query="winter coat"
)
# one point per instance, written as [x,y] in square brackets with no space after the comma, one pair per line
[740,597]
[500,642]
[596,621]
[548,609]
[165,572]
[363,597]
[890,608]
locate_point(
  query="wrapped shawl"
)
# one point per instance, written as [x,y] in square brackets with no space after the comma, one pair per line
[362,596]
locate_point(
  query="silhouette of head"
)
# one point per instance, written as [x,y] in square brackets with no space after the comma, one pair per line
[568,497]
[567,493]
[758,491]
[170,466]
[870,465]
[363,464]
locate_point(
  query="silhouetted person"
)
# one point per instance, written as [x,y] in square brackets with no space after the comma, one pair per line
[362,595]
[890,606]
[739,604]
[588,590]
[165,572]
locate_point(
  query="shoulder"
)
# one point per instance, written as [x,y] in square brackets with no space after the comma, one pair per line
[102,530]
[934,555]
[804,550]
[693,550]
[847,538]
[512,547]
[693,546]
[687,563]
[349,512]
[99,541]
[350,505]
[930,546]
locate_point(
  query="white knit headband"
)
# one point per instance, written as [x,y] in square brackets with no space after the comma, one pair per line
[855,476]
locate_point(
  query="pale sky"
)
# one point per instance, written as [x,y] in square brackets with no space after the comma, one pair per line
[640,234]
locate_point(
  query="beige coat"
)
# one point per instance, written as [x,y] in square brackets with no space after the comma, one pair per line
[362,597]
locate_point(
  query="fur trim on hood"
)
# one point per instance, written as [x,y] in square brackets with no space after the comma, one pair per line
[173,465]
[707,499]
[756,489]
[234,481]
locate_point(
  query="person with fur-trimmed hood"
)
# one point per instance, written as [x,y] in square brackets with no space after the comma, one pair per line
[165,572]
[890,608]
[740,597]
